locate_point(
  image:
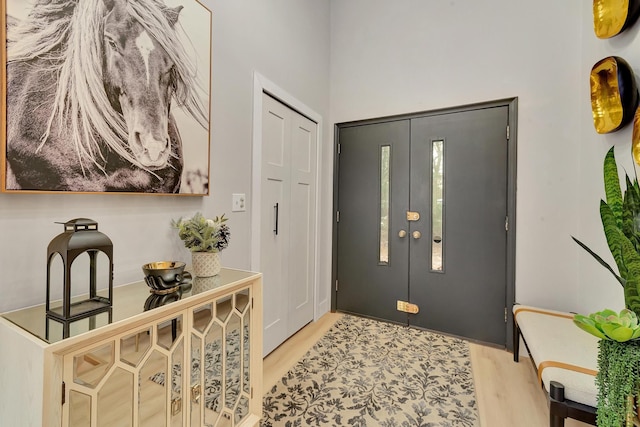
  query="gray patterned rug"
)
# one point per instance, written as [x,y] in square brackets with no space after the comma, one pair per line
[369,373]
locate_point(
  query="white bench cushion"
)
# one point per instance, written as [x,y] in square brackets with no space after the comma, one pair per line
[553,337]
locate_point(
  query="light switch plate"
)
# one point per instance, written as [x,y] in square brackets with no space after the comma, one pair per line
[238,202]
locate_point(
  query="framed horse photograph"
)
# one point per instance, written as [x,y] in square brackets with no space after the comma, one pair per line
[105,96]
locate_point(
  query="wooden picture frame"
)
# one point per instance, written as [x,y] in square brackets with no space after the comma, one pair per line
[105,96]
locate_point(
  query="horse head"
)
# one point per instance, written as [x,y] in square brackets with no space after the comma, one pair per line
[139,79]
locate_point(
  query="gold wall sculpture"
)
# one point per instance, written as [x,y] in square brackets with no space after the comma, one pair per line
[635,138]
[611,17]
[614,94]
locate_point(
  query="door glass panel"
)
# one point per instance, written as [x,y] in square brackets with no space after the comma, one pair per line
[169,331]
[153,390]
[176,390]
[225,420]
[133,347]
[194,384]
[211,363]
[202,317]
[90,367]
[437,205]
[79,409]
[385,157]
[242,410]
[223,308]
[242,300]
[117,392]
[246,355]
[232,359]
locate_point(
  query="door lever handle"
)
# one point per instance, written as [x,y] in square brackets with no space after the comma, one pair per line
[275,228]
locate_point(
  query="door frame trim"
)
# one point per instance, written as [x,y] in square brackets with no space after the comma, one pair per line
[262,85]
[512,104]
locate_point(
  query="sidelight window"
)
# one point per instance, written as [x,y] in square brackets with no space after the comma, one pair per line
[385,159]
[437,205]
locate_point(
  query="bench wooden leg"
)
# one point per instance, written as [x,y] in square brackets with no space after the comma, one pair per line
[556,412]
[516,341]
[560,408]
[556,421]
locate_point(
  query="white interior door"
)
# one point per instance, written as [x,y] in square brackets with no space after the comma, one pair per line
[288,207]
[301,257]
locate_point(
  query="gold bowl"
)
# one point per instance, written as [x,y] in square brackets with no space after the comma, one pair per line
[165,276]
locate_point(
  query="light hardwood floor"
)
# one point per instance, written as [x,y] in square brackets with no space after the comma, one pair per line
[508,393]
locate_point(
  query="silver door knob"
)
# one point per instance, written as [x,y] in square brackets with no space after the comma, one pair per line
[416,235]
[402,233]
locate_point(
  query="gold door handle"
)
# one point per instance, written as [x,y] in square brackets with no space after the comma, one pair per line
[402,234]
[416,235]
[195,393]
[176,406]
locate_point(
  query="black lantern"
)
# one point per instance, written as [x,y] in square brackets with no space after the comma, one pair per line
[80,236]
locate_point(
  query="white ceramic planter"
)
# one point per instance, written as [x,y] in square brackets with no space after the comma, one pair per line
[205,264]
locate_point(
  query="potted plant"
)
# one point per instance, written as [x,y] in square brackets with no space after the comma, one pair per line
[205,238]
[618,378]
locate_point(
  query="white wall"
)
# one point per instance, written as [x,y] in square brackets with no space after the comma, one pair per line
[285,40]
[392,57]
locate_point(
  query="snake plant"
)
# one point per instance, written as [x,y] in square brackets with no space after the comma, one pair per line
[620,215]
[618,378]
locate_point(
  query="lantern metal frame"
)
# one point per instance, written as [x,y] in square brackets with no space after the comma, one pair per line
[80,236]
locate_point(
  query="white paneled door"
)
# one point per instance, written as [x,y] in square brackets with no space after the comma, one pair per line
[288,206]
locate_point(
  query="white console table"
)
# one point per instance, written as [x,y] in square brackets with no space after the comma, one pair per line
[193,359]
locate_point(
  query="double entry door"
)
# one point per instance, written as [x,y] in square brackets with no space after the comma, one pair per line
[422,221]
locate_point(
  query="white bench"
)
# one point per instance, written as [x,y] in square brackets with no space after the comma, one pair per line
[565,358]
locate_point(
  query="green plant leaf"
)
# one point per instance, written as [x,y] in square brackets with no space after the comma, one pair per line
[607,312]
[618,377]
[612,186]
[607,324]
[625,313]
[600,260]
[616,332]
[603,317]
[630,213]
[612,233]
[631,259]
[633,299]
[588,325]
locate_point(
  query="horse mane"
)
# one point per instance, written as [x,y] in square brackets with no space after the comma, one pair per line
[68,34]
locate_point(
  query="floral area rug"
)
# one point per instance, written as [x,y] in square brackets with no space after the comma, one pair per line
[369,373]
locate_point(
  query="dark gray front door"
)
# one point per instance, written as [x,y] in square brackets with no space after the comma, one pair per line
[458,267]
[441,244]
[373,275]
